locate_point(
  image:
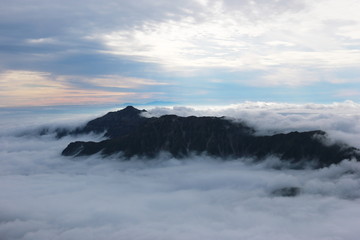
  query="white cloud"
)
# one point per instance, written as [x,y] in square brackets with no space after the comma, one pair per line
[47,196]
[234,36]
[41,41]
[243,35]
[280,43]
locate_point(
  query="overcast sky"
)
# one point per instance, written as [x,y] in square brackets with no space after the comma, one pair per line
[183,52]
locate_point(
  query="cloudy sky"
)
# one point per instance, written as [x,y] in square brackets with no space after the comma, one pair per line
[180,52]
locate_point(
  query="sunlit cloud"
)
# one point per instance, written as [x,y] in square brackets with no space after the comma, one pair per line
[303,37]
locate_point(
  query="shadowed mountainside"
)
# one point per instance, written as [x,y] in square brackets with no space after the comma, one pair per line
[131,134]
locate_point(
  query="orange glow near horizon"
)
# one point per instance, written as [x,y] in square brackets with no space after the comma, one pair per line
[28,88]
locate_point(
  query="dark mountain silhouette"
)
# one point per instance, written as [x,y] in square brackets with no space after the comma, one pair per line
[131,134]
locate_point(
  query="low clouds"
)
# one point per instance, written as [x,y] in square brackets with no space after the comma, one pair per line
[60,198]
[47,196]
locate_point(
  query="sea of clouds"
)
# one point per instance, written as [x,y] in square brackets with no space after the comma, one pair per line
[44,195]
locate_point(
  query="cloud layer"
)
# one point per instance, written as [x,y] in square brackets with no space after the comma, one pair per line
[47,196]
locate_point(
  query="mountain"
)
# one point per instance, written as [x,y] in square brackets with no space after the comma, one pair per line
[115,124]
[131,134]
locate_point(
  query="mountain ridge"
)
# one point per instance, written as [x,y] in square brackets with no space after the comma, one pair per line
[131,134]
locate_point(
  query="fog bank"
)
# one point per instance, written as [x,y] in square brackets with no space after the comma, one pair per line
[47,196]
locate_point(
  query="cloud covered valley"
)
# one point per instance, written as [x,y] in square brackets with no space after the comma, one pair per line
[48,196]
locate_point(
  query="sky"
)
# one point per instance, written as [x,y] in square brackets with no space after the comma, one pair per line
[55,53]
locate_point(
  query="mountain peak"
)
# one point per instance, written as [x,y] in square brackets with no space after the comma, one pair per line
[115,124]
[130,110]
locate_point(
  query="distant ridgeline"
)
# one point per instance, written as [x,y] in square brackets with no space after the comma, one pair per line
[133,135]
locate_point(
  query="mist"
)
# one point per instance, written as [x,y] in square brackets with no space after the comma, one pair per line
[47,196]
